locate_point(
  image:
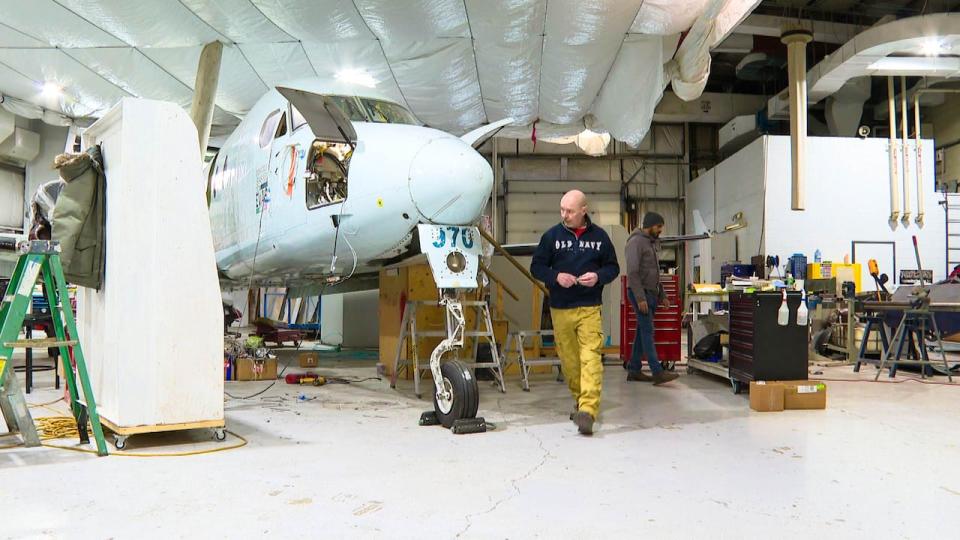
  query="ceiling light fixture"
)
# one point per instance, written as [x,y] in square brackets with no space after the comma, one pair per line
[356,76]
[51,90]
[932,47]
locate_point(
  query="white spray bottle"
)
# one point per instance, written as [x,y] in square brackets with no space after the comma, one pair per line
[783,314]
[803,317]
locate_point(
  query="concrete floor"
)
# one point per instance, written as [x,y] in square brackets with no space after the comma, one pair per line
[686,461]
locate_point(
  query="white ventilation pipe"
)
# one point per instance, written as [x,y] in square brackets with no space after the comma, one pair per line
[796,41]
[894,186]
[916,134]
[916,121]
[905,149]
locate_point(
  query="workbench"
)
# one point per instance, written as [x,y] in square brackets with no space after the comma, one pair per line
[693,300]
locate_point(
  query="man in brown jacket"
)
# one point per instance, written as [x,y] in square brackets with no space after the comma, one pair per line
[645,293]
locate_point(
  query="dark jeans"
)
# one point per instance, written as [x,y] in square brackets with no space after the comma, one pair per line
[643,345]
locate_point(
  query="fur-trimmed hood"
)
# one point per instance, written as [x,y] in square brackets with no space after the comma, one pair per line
[73,165]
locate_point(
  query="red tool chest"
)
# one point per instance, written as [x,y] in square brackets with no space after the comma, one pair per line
[666,323]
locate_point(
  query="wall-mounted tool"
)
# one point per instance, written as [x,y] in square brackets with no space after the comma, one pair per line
[880,280]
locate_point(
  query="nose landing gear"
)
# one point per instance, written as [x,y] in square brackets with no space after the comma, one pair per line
[457,396]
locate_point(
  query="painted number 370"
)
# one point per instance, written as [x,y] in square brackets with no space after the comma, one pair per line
[465,235]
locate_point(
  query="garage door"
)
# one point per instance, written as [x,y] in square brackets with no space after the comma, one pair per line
[11,198]
[533,188]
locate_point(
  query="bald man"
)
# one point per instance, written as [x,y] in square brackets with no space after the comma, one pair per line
[575,259]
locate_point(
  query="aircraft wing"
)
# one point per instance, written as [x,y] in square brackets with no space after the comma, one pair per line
[480,135]
[325,119]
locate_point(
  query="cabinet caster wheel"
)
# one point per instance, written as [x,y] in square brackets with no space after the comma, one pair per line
[119,442]
[737,386]
[670,366]
[690,370]
[220,434]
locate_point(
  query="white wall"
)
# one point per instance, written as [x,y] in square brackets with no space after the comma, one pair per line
[331,319]
[735,185]
[361,323]
[848,198]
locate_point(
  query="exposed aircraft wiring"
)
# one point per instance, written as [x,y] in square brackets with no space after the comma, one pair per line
[269,386]
[336,240]
[256,249]
[354,253]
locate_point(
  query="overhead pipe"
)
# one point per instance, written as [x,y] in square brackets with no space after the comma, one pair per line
[894,186]
[796,40]
[916,133]
[904,148]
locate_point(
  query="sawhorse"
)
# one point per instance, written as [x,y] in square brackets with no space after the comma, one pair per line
[36,258]
[912,327]
[874,324]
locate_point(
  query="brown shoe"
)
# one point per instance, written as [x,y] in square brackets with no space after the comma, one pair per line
[584,422]
[639,376]
[664,377]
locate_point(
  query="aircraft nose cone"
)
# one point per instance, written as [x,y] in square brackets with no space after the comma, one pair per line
[450,182]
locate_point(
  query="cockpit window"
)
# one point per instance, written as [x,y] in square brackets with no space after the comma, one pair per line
[268,128]
[282,126]
[349,107]
[384,112]
[298,119]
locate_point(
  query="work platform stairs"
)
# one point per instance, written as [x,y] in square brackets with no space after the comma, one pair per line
[951,207]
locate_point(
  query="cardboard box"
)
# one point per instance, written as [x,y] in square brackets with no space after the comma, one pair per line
[309,359]
[767,396]
[804,395]
[249,369]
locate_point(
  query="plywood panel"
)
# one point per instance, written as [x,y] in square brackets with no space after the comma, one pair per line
[393,285]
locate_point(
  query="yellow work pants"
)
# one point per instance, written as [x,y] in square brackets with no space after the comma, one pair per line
[578,335]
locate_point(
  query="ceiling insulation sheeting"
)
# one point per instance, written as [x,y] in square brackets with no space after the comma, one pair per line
[566,65]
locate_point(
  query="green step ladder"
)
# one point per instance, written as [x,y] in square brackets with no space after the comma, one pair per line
[40,257]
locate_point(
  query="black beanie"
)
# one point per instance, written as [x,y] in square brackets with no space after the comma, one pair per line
[650,219]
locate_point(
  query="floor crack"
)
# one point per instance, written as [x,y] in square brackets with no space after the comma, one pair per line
[515,483]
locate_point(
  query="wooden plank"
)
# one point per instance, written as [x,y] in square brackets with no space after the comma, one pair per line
[393,285]
[39,343]
[157,428]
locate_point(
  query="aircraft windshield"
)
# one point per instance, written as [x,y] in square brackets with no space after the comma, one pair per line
[372,110]
[349,107]
[384,112]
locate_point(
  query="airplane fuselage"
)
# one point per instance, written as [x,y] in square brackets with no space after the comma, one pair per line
[277,216]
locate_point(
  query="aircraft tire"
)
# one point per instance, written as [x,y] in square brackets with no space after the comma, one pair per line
[465,391]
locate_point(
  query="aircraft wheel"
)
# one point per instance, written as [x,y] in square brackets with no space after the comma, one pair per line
[464,394]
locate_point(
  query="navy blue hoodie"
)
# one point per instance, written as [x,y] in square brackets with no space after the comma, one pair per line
[561,251]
